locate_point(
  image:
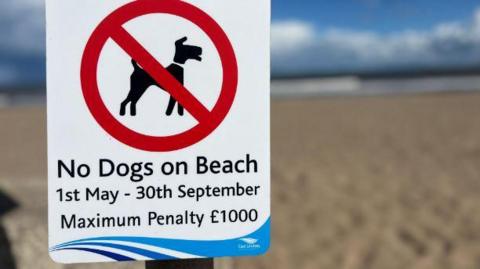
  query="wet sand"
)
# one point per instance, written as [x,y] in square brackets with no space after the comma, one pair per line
[365,182]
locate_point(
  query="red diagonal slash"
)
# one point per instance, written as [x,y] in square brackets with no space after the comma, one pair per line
[155,69]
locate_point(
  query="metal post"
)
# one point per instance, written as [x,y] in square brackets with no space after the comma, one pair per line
[181,264]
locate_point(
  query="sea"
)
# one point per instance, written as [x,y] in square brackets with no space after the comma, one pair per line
[311,87]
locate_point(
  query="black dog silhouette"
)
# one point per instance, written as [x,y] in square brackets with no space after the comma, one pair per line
[140,80]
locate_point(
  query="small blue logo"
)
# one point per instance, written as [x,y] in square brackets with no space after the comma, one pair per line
[248,243]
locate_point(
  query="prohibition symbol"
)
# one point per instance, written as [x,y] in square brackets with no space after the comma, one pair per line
[112,28]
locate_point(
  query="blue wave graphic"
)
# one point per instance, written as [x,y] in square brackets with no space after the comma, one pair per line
[213,248]
[113,256]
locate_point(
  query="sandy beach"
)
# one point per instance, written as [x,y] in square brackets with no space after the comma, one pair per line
[358,182]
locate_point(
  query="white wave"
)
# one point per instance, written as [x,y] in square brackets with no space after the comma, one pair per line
[250,241]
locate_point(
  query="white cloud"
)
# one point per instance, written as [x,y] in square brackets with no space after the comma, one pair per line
[291,35]
[299,47]
[476,22]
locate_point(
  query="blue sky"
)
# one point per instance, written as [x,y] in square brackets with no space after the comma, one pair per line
[382,16]
[308,36]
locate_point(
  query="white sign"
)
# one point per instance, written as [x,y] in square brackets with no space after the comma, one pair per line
[158,129]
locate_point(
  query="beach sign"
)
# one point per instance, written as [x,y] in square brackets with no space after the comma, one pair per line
[158,129]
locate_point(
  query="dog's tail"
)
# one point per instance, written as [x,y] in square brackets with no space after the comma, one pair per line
[135,65]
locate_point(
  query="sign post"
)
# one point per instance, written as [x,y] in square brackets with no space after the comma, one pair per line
[158,130]
[181,264]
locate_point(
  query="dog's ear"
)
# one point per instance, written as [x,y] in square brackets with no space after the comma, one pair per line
[181,41]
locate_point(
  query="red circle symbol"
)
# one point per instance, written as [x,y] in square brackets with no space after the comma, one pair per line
[112,27]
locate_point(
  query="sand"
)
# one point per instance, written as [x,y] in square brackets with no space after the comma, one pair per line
[371,182]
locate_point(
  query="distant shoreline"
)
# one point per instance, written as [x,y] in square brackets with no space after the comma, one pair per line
[385,74]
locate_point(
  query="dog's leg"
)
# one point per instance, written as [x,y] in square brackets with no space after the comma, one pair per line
[133,108]
[131,94]
[171,106]
[123,106]
[180,109]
